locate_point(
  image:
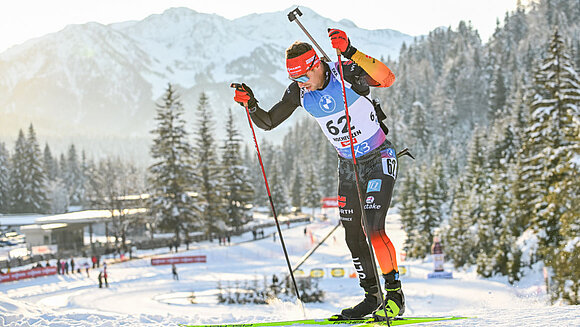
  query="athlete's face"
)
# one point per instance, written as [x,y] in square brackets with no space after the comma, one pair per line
[315,78]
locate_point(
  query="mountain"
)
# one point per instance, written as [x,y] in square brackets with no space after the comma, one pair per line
[93,81]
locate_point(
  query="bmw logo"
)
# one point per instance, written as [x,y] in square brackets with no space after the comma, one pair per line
[327,103]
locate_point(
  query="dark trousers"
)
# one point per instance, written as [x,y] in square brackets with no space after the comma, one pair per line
[377,173]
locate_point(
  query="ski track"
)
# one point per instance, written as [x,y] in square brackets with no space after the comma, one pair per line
[145,295]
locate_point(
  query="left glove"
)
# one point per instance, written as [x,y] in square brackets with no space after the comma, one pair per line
[341,42]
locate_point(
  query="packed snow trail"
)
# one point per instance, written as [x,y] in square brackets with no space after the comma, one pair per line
[145,295]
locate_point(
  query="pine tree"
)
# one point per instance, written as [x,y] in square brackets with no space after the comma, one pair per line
[420,128]
[50,165]
[18,175]
[565,264]
[554,137]
[207,168]
[38,202]
[73,178]
[408,198]
[239,192]
[428,211]
[312,194]
[328,169]
[4,179]
[27,179]
[56,193]
[498,94]
[459,240]
[172,174]
[277,186]
[554,146]
[297,188]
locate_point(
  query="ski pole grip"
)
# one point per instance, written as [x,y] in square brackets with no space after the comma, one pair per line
[238,86]
[292,15]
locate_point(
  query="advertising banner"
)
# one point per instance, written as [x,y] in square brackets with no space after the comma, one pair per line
[178,260]
[31,273]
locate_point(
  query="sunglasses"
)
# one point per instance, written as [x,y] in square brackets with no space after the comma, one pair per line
[300,79]
[303,78]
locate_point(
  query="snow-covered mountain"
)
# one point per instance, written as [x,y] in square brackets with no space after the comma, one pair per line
[95,80]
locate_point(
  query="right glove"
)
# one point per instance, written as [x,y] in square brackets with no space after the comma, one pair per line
[244,96]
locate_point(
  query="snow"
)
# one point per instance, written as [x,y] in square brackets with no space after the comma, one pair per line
[144,295]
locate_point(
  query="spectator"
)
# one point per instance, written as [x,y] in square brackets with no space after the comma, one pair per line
[105,275]
[59,267]
[66,266]
[87,266]
[100,279]
[94,260]
[72,265]
[174,272]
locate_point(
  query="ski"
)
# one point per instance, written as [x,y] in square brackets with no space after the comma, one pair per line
[351,322]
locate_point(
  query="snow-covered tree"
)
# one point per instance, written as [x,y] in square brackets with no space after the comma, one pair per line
[73,177]
[209,187]
[554,139]
[238,191]
[172,174]
[4,179]
[408,199]
[278,188]
[459,242]
[56,191]
[296,192]
[28,180]
[50,164]
[312,194]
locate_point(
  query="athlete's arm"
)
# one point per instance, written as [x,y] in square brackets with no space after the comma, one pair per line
[268,120]
[378,71]
[380,74]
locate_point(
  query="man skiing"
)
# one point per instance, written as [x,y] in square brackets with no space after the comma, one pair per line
[317,88]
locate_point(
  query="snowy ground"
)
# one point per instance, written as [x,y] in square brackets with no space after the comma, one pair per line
[145,295]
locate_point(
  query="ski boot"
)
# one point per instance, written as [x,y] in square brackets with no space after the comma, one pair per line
[368,305]
[394,300]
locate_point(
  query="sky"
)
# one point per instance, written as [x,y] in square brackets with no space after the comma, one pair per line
[22,20]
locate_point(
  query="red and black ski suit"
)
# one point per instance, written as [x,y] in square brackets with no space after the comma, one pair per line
[376,156]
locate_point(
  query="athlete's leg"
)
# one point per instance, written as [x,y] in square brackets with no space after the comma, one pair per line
[350,216]
[379,177]
[377,201]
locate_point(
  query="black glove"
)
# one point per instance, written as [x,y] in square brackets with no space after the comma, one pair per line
[244,96]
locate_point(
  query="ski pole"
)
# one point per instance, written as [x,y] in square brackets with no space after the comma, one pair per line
[310,252]
[239,87]
[359,191]
[293,16]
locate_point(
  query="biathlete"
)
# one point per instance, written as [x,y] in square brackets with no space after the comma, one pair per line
[316,87]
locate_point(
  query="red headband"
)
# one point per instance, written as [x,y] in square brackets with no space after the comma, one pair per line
[298,66]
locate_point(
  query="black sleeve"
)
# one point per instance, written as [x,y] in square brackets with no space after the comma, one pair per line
[356,76]
[267,120]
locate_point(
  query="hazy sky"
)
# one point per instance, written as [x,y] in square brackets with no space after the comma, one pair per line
[21,20]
